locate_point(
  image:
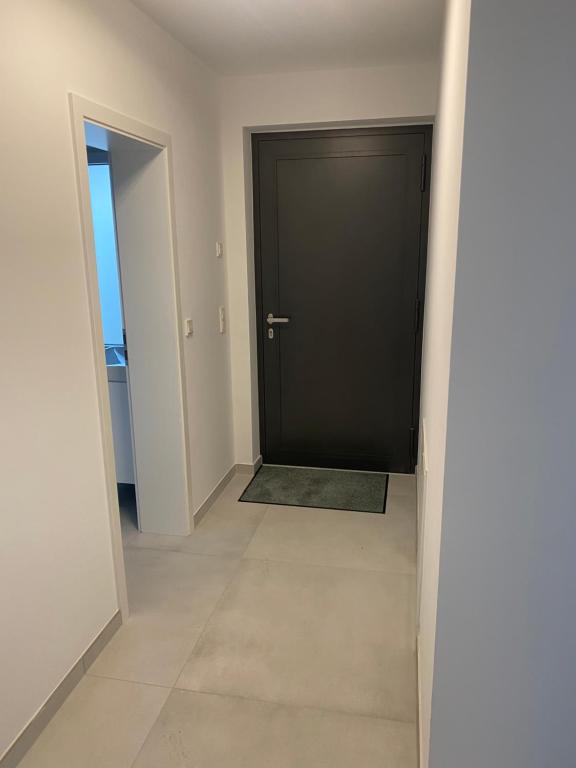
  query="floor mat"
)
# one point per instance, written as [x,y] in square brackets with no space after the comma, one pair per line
[324,488]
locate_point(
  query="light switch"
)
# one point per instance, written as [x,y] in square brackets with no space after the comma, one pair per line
[219,250]
[188,327]
[222,319]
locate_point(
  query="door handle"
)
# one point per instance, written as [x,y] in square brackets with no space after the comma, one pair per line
[271,320]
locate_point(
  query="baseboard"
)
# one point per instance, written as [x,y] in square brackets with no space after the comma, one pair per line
[249,469]
[97,646]
[237,469]
[211,498]
[32,731]
[421,756]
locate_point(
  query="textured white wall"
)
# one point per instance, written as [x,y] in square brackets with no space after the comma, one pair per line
[443,240]
[56,580]
[299,100]
[505,674]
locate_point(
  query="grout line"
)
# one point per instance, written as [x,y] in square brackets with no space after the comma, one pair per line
[220,599]
[149,731]
[208,620]
[143,548]
[410,576]
[238,560]
[336,567]
[237,556]
[200,635]
[287,705]
[133,682]
[233,576]
[292,705]
[253,532]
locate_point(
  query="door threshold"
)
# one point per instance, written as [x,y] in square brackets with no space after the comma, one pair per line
[330,469]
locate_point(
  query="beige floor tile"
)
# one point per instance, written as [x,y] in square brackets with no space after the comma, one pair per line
[334,537]
[313,636]
[223,732]
[225,529]
[102,724]
[176,583]
[402,509]
[237,486]
[148,649]
[171,595]
[402,485]
[401,504]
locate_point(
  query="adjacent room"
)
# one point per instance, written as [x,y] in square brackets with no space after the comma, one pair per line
[286,436]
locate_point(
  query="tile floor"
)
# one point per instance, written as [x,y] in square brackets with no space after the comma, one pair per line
[272,636]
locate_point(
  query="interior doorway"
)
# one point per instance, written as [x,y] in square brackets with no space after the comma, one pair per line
[340,251]
[112,315]
[124,181]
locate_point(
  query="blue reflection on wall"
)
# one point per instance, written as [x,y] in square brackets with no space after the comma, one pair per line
[106,255]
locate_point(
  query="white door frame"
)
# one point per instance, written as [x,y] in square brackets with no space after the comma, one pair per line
[82,109]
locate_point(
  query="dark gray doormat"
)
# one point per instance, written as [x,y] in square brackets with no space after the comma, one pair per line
[324,488]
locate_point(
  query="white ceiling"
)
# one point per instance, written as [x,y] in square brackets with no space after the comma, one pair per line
[254,36]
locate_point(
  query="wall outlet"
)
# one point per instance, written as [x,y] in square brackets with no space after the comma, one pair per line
[219,250]
[222,319]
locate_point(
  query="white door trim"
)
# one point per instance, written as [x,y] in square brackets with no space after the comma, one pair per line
[82,109]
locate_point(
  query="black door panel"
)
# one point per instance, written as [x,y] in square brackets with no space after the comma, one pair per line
[338,248]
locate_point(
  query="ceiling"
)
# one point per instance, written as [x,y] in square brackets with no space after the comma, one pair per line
[257,36]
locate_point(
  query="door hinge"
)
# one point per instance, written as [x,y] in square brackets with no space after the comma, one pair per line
[423,174]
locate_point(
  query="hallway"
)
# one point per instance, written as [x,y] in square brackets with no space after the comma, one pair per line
[272,635]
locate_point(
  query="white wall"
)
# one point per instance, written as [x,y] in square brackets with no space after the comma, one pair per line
[299,100]
[505,671]
[56,579]
[442,245]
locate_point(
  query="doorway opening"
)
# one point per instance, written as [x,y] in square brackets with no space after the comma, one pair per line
[124,179]
[340,231]
[112,316]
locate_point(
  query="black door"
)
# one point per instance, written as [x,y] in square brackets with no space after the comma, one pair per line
[340,234]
